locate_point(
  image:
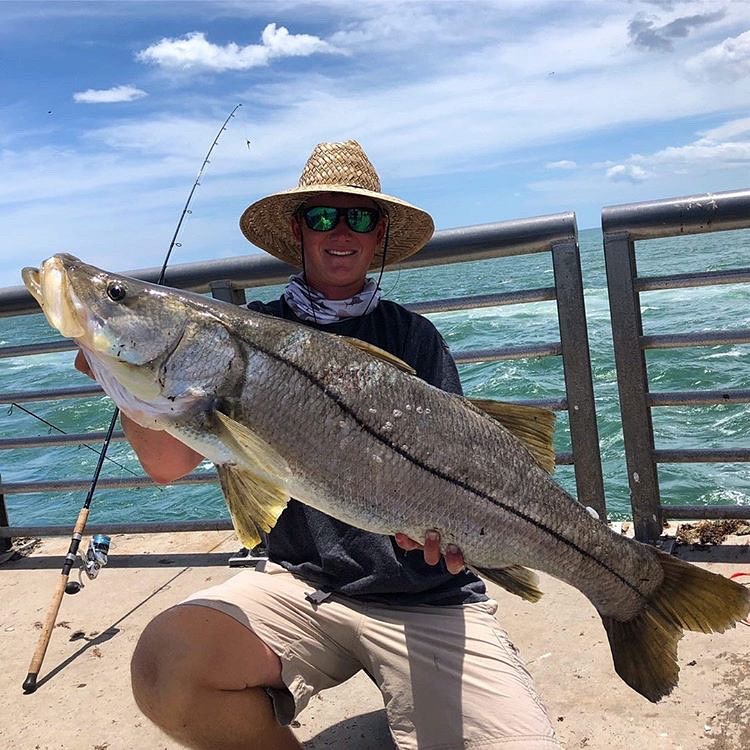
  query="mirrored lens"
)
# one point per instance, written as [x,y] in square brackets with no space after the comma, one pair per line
[325,218]
[321,218]
[361,219]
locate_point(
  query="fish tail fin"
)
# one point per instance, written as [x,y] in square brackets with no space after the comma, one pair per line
[644,649]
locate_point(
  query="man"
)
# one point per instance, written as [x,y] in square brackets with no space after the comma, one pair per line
[232,665]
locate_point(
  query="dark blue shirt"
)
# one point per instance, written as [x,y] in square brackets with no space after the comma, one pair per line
[337,557]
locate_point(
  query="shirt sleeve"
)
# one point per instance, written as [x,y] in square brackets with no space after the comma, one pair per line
[430,356]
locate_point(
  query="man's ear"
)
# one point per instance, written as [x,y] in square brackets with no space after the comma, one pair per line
[382,226]
[296,230]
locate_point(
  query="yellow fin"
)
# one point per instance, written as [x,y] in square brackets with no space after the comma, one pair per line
[251,451]
[644,649]
[254,503]
[516,579]
[381,354]
[534,426]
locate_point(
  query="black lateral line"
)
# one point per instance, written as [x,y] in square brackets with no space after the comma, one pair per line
[436,472]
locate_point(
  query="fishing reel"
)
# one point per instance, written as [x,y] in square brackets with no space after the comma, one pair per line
[95,560]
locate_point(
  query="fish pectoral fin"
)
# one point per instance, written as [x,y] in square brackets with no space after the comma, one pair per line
[534,426]
[514,578]
[251,451]
[254,503]
[381,354]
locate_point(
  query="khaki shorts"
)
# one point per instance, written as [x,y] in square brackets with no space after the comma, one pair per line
[449,676]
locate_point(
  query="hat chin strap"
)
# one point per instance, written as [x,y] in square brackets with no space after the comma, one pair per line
[382,268]
[304,276]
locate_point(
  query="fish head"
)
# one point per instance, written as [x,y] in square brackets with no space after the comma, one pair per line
[113,315]
[126,328]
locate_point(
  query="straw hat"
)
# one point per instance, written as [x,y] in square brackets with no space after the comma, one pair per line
[335,168]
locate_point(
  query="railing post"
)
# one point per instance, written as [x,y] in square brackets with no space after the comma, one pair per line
[632,382]
[227,291]
[5,541]
[579,387]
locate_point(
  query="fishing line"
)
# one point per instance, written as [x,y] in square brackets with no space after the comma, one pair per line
[29,684]
[81,445]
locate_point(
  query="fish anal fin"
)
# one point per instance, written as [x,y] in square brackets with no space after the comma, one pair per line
[381,354]
[516,579]
[254,503]
[644,649]
[534,426]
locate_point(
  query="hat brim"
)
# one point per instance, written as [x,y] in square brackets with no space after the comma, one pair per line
[267,223]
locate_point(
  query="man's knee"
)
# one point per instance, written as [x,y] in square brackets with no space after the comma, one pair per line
[190,649]
[157,677]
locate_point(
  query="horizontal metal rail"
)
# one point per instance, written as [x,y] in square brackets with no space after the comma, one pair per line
[70,438]
[622,227]
[51,394]
[43,347]
[147,527]
[434,306]
[689,280]
[675,217]
[72,485]
[481,242]
[700,512]
[476,302]
[699,398]
[701,455]
[106,483]
[701,338]
[498,354]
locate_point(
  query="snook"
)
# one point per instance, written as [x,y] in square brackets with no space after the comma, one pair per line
[284,410]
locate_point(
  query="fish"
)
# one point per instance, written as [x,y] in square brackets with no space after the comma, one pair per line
[284,410]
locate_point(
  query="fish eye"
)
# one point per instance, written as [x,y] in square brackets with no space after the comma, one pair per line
[116,291]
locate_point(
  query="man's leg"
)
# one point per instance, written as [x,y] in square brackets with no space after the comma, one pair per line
[452,680]
[200,675]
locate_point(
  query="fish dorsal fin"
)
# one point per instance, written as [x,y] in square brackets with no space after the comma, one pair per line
[534,426]
[254,486]
[381,354]
[254,503]
[516,579]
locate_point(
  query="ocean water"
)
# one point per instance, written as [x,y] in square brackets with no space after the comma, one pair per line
[672,311]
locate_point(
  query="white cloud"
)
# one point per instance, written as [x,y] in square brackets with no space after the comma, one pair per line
[562,164]
[728,61]
[195,52]
[627,173]
[109,96]
[720,149]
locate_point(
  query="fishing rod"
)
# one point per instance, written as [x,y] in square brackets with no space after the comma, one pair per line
[30,683]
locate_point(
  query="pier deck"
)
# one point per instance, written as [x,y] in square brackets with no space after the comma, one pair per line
[83,700]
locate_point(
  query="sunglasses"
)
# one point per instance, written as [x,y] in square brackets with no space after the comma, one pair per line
[325,218]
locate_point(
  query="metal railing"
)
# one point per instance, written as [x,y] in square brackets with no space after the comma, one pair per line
[227,280]
[622,227]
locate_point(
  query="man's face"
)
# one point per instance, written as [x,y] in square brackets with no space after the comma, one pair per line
[336,261]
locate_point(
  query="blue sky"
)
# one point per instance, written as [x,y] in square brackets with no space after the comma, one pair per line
[477,111]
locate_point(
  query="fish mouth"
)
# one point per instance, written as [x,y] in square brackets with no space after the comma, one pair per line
[50,287]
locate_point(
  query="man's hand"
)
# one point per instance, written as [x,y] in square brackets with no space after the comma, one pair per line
[82,365]
[454,559]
